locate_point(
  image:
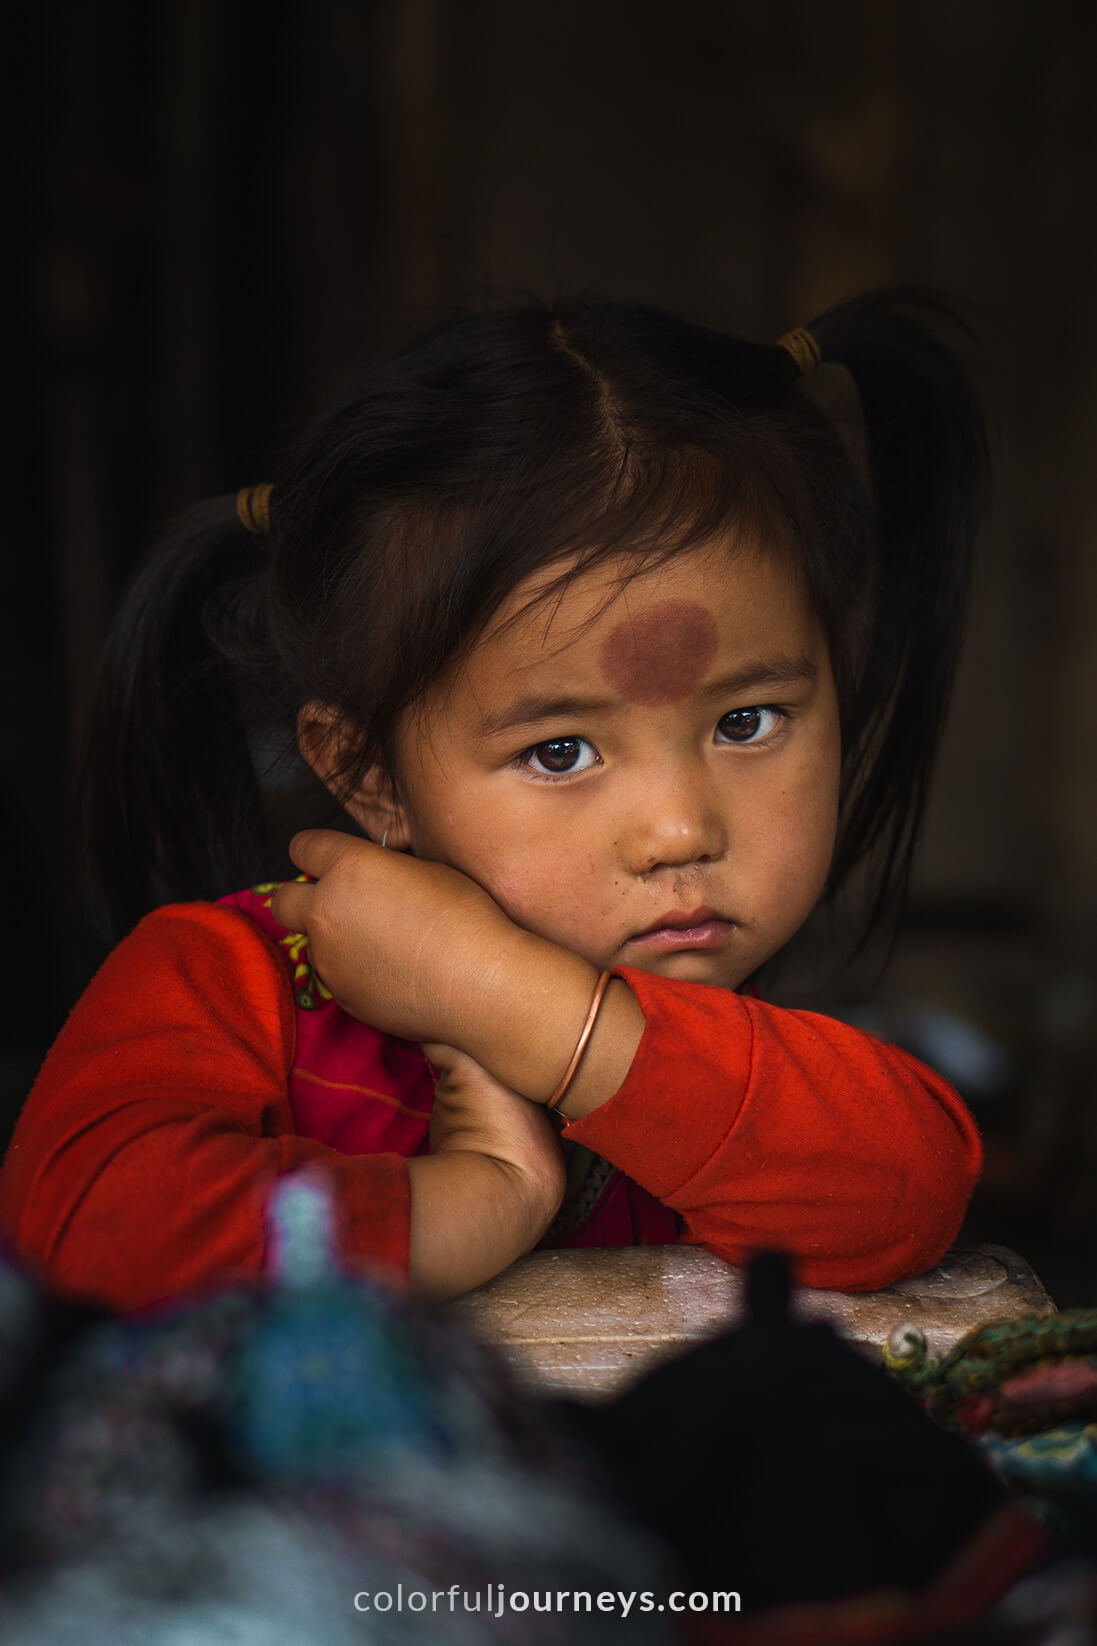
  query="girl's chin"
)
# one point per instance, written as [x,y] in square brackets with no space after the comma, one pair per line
[692,966]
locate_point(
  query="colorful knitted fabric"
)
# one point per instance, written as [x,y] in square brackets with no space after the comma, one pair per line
[241,1467]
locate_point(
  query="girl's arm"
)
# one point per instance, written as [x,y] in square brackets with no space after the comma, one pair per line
[142,1160]
[491,1185]
[763,1126]
[760,1126]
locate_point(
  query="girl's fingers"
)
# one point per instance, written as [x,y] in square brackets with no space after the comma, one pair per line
[290,905]
[315,850]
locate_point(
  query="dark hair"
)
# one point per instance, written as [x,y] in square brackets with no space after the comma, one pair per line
[501,443]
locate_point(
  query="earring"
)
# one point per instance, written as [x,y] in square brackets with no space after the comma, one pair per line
[385,835]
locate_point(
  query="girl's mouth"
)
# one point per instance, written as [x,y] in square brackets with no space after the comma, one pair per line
[697,929]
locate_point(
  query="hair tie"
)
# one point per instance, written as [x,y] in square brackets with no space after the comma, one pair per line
[803,349]
[253,509]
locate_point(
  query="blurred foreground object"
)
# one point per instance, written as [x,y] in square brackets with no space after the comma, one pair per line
[248,1464]
[251,1463]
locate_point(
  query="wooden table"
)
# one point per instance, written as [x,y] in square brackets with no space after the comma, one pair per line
[588,1322]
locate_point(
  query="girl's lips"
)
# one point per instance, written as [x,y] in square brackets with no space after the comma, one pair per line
[710,933]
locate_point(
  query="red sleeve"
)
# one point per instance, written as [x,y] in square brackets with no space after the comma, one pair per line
[764,1127]
[141,1162]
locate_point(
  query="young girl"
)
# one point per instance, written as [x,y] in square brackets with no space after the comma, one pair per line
[620,653]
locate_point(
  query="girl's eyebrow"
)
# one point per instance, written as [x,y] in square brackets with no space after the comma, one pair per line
[782,669]
[527,711]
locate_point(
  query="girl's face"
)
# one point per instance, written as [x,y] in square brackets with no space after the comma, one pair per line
[648,778]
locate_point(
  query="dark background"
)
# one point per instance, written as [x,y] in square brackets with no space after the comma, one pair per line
[219,208]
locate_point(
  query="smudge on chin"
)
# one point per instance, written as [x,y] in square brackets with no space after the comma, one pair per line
[661,656]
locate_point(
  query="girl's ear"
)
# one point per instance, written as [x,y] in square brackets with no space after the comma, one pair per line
[374,805]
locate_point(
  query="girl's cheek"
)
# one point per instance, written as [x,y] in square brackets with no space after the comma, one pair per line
[513,895]
[552,905]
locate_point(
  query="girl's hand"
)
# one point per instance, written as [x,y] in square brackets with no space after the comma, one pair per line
[419,950]
[475,1112]
[402,944]
[491,1186]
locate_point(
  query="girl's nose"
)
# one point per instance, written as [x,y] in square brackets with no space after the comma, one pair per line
[675,820]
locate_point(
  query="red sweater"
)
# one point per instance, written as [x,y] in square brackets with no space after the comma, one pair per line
[142,1159]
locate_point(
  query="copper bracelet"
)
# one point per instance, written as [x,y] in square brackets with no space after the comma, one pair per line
[581,1044]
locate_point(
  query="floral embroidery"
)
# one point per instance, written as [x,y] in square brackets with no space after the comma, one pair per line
[308,990]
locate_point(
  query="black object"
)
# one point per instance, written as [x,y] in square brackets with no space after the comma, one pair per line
[778,1461]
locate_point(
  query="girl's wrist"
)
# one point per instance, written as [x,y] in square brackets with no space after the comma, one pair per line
[472,1215]
[609,1053]
[529,1012]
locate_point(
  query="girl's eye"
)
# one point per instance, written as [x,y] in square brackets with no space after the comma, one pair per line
[561,756]
[748,725]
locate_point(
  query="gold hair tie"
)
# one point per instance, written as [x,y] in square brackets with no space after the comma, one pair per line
[803,349]
[253,509]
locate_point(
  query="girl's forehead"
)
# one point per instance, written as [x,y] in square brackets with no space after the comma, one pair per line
[641,630]
[661,653]
[705,619]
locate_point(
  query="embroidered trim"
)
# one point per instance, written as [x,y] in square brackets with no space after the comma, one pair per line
[308,991]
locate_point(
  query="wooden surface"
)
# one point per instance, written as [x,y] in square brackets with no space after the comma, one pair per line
[589,1322]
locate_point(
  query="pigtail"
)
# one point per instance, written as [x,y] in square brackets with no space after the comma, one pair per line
[169,804]
[925,447]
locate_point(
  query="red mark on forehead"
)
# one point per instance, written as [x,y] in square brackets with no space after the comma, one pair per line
[661,656]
